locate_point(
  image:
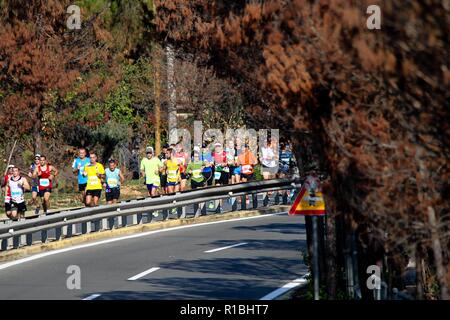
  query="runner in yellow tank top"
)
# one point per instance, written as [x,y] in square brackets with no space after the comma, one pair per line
[172,169]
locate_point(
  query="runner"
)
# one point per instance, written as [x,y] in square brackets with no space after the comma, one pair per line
[162,174]
[285,161]
[172,169]
[183,159]
[247,160]
[16,187]
[95,174]
[78,168]
[114,179]
[208,169]
[268,161]
[5,180]
[231,160]
[195,168]
[221,170]
[150,168]
[46,174]
[34,183]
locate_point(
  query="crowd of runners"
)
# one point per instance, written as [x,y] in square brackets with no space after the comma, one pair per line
[172,170]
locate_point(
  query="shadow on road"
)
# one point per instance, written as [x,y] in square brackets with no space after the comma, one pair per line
[285,228]
[193,288]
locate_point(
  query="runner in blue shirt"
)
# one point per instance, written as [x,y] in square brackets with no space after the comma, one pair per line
[78,168]
[114,178]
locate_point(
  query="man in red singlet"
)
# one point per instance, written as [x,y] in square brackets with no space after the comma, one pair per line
[46,174]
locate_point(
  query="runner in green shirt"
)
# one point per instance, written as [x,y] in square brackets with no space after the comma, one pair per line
[150,168]
[195,168]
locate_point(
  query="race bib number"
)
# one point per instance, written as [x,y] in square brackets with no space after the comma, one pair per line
[172,174]
[226,169]
[16,194]
[217,175]
[44,182]
[197,173]
[112,183]
[93,180]
[247,169]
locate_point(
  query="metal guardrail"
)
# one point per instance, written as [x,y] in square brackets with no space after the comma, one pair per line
[106,217]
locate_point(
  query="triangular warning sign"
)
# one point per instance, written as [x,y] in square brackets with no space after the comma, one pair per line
[308,202]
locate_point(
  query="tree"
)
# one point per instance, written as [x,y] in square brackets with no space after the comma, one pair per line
[373,103]
[40,61]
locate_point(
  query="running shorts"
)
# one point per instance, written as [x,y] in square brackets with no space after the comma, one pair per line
[44,191]
[19,207]
[94,193]
[112,194]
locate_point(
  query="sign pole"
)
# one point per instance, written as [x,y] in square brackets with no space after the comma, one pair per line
[310,202]
[315,258]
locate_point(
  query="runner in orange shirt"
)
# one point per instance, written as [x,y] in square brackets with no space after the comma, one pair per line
[247,161]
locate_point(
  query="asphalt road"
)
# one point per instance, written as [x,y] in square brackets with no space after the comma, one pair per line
[235,259]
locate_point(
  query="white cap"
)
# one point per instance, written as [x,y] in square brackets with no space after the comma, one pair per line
[11,166]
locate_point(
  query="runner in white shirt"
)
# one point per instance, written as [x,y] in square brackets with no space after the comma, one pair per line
[17,186]
[268,161]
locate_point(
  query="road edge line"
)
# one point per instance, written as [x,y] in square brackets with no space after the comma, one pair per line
[286,288]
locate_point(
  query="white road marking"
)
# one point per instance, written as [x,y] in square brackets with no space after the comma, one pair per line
[133,236]
[92,296]
[288,286]
[227,247]
[146,272]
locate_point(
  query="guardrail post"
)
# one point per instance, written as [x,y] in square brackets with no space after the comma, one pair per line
[285,197]
[244,202]
[86,227]
[44,236]
[181,211]
[277,198]
[29,239]
[255,200]
[265,199]
[58,233]
[165,214]
[4,245]
[68,230]
[149,217]
[16,242]
[110,223]
[96,225]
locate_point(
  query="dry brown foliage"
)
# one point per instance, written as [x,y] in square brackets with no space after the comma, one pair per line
[374,101]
